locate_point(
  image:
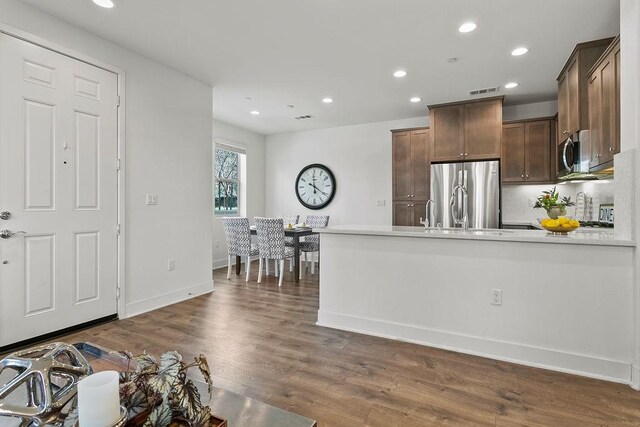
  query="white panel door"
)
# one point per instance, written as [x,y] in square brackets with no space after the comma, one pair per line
[58,179]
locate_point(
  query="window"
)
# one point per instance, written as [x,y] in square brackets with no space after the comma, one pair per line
[227,180]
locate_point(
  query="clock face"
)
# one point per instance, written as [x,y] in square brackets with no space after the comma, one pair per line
[315,186]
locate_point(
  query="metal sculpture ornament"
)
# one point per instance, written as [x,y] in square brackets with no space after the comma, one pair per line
[49,374]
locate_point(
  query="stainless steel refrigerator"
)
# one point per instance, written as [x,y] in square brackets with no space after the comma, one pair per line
[482,181]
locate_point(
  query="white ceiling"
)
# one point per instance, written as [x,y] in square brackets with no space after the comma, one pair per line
[297,52]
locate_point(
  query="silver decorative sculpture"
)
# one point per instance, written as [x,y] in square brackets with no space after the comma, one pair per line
[49,374]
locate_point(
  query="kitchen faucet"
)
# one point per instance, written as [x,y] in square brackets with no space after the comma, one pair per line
[427,220]
[465,219]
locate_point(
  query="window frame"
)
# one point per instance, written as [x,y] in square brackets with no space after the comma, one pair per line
[237,181]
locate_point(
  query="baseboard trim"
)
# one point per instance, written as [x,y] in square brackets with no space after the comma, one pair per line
[538,357]
[169,298]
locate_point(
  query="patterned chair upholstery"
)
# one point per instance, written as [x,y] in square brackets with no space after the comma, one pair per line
[293,220]
[271,245]
[311,244]
[238,236]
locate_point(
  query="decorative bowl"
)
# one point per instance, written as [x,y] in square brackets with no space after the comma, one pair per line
[561,225]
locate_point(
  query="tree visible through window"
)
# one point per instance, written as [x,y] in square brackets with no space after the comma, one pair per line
[226,185]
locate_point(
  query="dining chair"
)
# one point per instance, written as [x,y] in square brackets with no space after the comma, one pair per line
[271,245]
[311,244]
[289,219]
[238,235]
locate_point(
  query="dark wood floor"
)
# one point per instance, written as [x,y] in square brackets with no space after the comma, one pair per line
[262,342]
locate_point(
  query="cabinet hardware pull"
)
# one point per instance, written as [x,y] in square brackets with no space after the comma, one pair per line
[522,176]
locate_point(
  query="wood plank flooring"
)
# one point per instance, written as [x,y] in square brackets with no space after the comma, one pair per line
[262,342]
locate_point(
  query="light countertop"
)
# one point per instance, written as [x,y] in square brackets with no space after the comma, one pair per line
[583,236]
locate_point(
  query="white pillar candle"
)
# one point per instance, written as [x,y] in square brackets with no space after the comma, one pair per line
[99,400]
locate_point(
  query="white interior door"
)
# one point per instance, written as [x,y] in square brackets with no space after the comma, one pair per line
[58,179]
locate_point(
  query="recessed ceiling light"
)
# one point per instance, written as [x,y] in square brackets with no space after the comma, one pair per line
[452,60]
[327,100]
[519,51]
[400,73]
[247,98]
[511,85]
[467,27]
[415,99]
[255,112]
[104,3]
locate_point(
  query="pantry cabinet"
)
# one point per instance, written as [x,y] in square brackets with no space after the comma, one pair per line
[573,105]
[604,107]
[528,148]
[466,130]
[411,180]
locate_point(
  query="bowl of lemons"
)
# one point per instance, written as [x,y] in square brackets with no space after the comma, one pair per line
[561,225]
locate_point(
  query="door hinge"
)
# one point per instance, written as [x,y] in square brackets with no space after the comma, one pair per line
[117,291]
[117,229]
[118,101]
[117,164]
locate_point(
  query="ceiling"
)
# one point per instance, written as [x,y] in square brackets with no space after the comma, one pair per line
[296,52]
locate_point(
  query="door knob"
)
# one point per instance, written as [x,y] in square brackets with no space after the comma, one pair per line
[5,215]
[5,234]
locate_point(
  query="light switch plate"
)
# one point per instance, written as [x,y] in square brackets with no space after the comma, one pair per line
[151,199]
[171,264]
[381,203]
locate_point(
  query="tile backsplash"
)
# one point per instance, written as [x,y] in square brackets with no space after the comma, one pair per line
[517,200]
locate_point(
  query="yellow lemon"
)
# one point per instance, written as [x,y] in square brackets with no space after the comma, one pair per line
[544,221]
[552,223]
[567,225]
[574,223]
[562,220]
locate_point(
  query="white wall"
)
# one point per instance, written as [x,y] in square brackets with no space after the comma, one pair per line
[360,158]
[168,152]
[414,289]
[630,141]
[530,111]
[516,206]
[254,143]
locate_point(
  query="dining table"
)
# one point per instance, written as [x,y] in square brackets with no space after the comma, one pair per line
[294,232]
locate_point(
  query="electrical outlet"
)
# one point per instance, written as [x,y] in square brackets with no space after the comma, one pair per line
[381,203]
[151,199]
[496,296]
[171,264]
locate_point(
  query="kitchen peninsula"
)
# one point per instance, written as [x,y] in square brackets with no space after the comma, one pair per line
[558,302]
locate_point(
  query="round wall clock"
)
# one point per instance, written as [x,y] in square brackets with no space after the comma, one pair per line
[315,186]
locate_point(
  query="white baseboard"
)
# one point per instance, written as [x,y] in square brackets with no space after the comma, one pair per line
[555,360]
[153,303]
[635,377]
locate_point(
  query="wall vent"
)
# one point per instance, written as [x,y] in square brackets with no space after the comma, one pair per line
[305,117]
[484,91]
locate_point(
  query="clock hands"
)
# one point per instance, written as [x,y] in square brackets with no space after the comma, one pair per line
[316,188]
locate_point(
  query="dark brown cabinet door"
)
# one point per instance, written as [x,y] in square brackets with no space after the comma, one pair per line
[447,133]
[402,213]
[419,211]
[608,78]
[563,108]
[420,165]
[595,117]
[512,160]
[482,130]
[573,78]
[401,161]
[537,136]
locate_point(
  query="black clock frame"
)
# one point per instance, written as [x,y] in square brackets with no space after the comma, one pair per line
[333,179]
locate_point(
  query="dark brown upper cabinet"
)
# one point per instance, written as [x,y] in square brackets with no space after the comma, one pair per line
[466,130]
[411,180]
[528,147]
[573,106]
[604,107]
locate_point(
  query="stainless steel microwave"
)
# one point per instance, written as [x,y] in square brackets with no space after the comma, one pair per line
[573,154]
